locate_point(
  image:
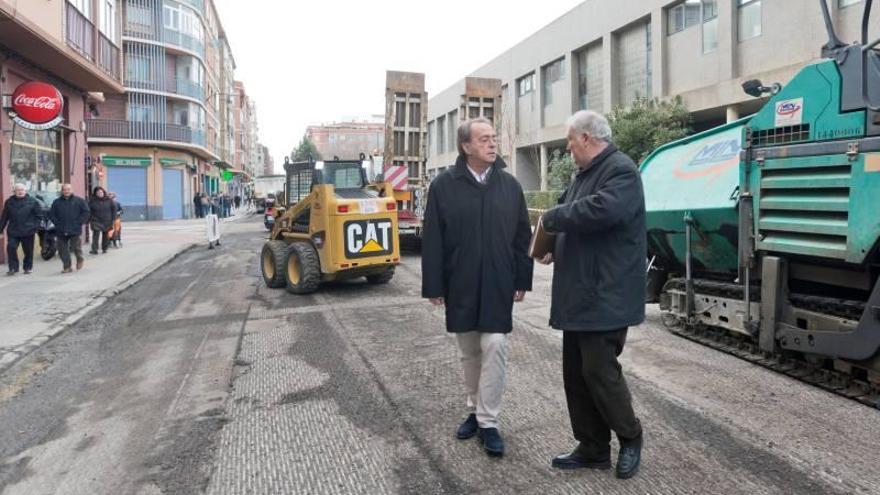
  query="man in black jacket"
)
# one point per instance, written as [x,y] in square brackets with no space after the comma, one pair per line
[21,214]
[598,292]
[69,213]
[475,261]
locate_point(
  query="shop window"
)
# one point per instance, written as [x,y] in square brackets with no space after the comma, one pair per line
[36,162]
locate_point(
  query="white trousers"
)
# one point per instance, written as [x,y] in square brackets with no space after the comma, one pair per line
[484,360]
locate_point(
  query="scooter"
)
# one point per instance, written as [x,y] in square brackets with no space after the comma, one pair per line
[269,215]
[48,239]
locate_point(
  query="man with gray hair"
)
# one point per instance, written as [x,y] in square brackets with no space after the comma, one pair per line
[598,292]
[475,262]
[21,219]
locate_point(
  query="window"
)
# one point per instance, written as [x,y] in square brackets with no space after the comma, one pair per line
[634,69]
[749,19]
[415,114]
[526,84]
[138,68]
[452,120]
[108,19]
[139,19]
[846,3]
[589,78]
[400,113]
[683,16]
[36,162]
[441,135]
[710,26]
[140,113]
[171,18]
[83,6]
[552,73]
[431,137]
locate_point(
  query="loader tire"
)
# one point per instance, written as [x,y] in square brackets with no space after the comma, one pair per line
[302,272]
[272,263]
[381,278]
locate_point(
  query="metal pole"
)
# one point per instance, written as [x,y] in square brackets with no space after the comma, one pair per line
[689,276]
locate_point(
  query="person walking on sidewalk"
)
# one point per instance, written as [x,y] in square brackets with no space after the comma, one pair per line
[103,213]
[69,213]
[475,261]
[598,292]
[21,219]
[116,238]
[197,204]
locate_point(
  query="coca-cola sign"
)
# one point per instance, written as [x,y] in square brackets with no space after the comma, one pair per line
[37,105]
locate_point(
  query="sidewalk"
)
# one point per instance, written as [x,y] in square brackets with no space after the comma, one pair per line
[38,306]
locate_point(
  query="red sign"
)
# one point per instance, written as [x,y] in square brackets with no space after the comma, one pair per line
[37,105]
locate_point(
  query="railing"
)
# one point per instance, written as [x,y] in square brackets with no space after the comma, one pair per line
[148,131]
[80,32]
[184,41]
[108,57]
[180,86]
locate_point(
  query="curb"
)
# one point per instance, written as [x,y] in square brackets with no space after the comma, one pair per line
[97,301]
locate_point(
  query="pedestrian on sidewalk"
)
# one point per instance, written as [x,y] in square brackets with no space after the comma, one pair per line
[103,213]
[69,213]
[475,261]
[598,292]
[20,218]
[197,205]
[116,238]
[205,203]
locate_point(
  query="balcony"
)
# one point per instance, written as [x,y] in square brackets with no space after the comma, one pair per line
[184,41]
[198,5]
[81,37]
[179,86]
[145,131]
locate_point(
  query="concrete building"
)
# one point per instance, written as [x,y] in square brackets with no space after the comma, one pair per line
[605,53]
[406,121]
[169,136]
[75,47]
[268,162]
[348,140]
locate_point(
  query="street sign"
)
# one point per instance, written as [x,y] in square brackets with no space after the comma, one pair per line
[227,176]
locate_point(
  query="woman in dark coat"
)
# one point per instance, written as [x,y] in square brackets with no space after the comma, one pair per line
[103,213]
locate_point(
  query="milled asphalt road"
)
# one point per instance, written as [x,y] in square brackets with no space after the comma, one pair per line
[200,379]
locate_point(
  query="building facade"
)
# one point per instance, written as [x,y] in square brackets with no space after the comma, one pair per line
[606,53]
[268,162]
[75,47]
[169,136]
[406,121]
[348,140]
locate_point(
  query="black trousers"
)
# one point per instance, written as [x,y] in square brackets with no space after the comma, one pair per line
[27,245]
[105,241]
[66,244]
[598,399]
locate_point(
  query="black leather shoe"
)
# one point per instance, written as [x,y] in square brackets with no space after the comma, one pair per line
[492,442]
[576,460]
[468,428]
[629,458]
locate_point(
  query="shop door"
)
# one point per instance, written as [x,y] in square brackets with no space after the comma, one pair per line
[172,194]
[130,186]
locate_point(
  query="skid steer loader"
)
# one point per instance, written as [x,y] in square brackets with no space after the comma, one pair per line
[332,224]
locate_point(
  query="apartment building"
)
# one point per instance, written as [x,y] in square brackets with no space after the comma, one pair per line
[349,139]
[605,53]
[74,46]
[268,162]
[171,134]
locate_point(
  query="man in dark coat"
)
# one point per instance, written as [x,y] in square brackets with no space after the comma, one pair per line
[20,218]
[475,261]
[69,213]
[103,214]
[598,292]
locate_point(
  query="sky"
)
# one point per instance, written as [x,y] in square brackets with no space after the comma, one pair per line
[306,62]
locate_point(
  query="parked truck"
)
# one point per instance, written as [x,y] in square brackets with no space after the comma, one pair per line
[264,186]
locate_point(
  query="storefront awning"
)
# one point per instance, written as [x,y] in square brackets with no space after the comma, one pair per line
[127,161]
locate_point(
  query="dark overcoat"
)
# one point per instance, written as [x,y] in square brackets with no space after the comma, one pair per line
[69,214]
[21,216]
[600,252]
[475,247]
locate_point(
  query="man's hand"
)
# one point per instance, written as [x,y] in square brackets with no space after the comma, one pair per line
[546,259]
[436,301]
[519,295]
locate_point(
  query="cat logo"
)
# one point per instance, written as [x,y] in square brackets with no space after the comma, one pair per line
[368,238]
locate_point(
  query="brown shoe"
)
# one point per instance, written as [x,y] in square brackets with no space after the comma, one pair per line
[79,264]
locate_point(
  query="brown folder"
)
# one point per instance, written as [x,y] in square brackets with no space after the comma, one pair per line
[542,242]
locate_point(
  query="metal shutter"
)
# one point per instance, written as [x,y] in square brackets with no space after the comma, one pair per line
[130,186]
[172,194]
